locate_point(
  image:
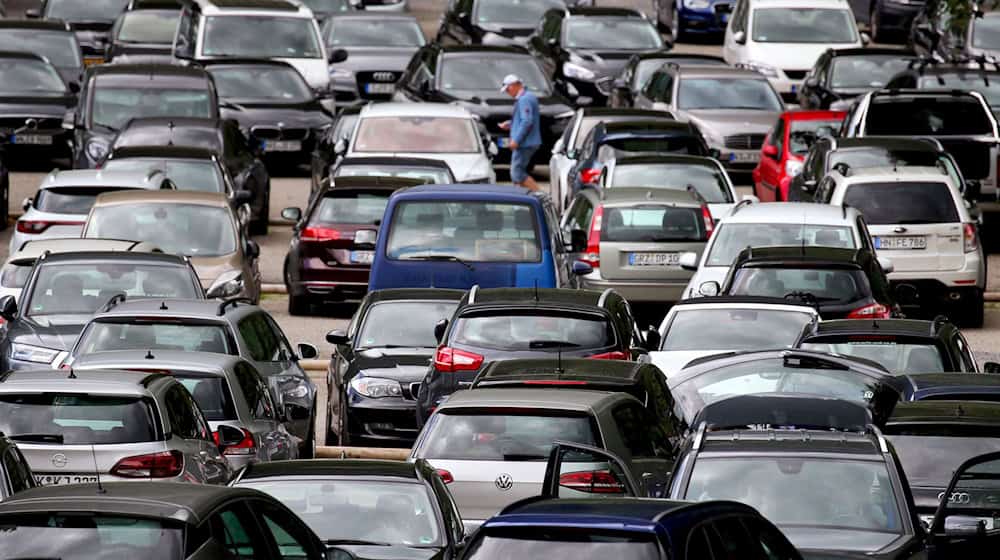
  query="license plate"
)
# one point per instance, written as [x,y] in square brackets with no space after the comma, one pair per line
[380,88]
[744,157]
[36,139]
[503,142]
[654,259]
[92,60]
[362,257]
[56,479]
[901,242]
[724,18]
[282,146]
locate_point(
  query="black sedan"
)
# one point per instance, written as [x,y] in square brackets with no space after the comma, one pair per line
[376,369]
[492,22]
[52,39]
[91,21]
[840,75]
[471,77]
[145,34]
[33,101]
[274,106]
[375,510]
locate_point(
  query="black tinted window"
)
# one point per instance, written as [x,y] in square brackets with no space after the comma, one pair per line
[78,419]
[255,393]
[183,422]
[262,342]
[928,115]
[351,207]
[74,200]
[537,331]
[633,428]
[17,471]
[489,435]
[212,395]
[903,203]
[821,285]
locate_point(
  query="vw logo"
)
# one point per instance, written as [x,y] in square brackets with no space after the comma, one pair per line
[504,482]
[59,460]
[959,498]
[31,124]
[383,76]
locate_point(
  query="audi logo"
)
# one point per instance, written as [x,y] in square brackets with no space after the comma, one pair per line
[383,77]
[504,482]
[957,498]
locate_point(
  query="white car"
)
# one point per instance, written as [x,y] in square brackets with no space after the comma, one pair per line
[772,224]
[919,220]
[426,130]
[783,38]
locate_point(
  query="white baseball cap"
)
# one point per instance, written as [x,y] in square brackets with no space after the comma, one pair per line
[509,80]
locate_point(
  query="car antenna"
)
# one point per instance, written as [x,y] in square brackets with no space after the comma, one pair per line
[71,374]
[149,355]
[97,470]
[163,306]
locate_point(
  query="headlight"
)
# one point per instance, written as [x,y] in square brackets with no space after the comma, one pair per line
[793,167]
[376,388]
[697,4]
[765,69]
[228,284]
[578,72]
[36,354]
[97,149]
[293,386]
[340,74]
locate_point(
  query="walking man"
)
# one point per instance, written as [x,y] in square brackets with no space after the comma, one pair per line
[524,127]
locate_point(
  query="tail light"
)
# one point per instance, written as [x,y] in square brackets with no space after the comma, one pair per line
[590,175]
[706,215]
[592,256]
[165,464]
[970,239]
[38,226]
[246,446]
[319,234]
[445,476]
[873,311]
[452,359]
[592,482]
[616,355]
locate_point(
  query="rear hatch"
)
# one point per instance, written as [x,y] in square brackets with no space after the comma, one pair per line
[644,242]
[837,290]
[340,231]
[60,211]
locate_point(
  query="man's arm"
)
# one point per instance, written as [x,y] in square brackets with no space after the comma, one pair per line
[529,114]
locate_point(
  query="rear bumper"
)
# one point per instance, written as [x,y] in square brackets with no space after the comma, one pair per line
[657,291]
[972,275]
[336,291]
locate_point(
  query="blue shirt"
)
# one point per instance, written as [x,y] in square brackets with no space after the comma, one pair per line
[525,124]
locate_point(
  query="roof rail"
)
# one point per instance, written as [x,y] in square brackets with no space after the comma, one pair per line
[231,301]
[472,293]
[882,445]
[604,296]
[113,301]
[699,436]
[937,322]
[740,205]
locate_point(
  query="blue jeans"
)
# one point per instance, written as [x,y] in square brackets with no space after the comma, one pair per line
[520,159]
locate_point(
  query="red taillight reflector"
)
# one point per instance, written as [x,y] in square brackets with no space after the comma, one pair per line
[246,446]
[592,482]
[165,464]
[706,215]
[970,239]
[590,175]
[38,226]
[445,476]
[973,281]
[616,355]
[554,382]
[873,311]
[319,234]
[592,256]
[452,359]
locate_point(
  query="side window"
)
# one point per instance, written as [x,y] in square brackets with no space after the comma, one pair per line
[580,213]
[739,15]
[182,422]
[184,41]
[661,405]
[262,343]
[289,536]
[255,392]
[771,543]
[650,89]
[234,528]
[197,417]
[18,476]
[552,26]
[665,89]
[633,428]
[285,351]
[447,504]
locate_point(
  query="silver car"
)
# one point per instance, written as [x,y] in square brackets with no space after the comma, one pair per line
[228,389]
[73,426]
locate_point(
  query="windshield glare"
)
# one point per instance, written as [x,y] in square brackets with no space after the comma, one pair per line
[869,72]
[89,10]
[803,25]
[59,47]
[243,36]
[115,106]
[20,76]
[430,175]
[484,73]
[70,537]
[149,26]
[358,32]
[525,13]
[727,93]
[710,182]
[183,229]
[417,135]
[193,175]
[730,239]
[894,356]
[80,419]
[405,324]
[496,436]
[903,203]
[733,329]
[606,34]
[104,336]
[277,84]
[986,33]
[534,331]
[806,284]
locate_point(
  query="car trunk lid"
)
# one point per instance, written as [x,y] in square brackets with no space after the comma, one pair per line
[645,242]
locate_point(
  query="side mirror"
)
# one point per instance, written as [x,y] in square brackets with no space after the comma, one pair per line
[242,197]
[886,265]
[906,294]
[652,339]
[973,189]
[337,55]
[229,436]
[69,120]
[991,367]
[294,412]
[740,38]
[340,147]
[771,151]
[709,289]
[572,153]
[492,149]
[365,237]
[439,329]
[252,249]
[689,261]
[73,87]
[581,268]
[959,524]
[578,240]
[33,13]
[337,337]
[8,307]
[307,351]
[811,82]
[865,39]
[26,204]
[292,214]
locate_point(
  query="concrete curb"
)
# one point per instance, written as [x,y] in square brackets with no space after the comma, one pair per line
[273,289]
[314,365]
[991,296]
[385,454]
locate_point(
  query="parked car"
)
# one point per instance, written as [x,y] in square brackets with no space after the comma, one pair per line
[840,75]
[33,100]
[951,76]
[634,77]
[91,22]
[52,39]
[784,150]
[492,22]
[145,32]
[685,20]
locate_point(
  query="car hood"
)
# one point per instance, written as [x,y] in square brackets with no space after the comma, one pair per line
[252,112]
[209,268]
[733,121]
[314,70]
[819,539]
[786,56]
[39,106]
[672,361]
[367,59]
[369,552]
[48,331]
[604,63]
[400,364]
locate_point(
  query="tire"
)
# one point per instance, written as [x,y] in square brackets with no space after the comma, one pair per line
[332,438]
[970,313]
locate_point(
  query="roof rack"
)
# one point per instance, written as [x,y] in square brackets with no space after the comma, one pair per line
[739,206]
[233,302]
[472,293]
[604,296]
[113,301]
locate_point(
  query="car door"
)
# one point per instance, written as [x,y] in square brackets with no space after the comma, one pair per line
[215,465]
[651,454]
[273,440]
[234,528]
[768,172]
[285,534]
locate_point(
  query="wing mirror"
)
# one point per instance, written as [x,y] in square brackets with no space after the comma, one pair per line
[292,214]
[652,339]
[340,147]
[709,289]
[906,294]
[973,188]
[439,329]
[253,249]
[991,367]
[865,39]
[8,307]
[337,337]
[740,38]
[242,197]
[572,153]
[689,261]
[337,55]
[492,149]
[337,553]
[294,412]
[581,268]
[307,351]
[771,151]
[886,265]
[26,203]
[32,13]
[229,436]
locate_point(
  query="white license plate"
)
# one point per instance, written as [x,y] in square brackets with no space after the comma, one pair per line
[362,257]
[388,89]
[901,242]
[744,157]
[503,142]
[282,146]
[36,139]
[55,479]
[654,259]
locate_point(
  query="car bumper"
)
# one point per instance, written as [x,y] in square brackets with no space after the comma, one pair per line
[633,291]
[388,422]
[330,290]
[971,276]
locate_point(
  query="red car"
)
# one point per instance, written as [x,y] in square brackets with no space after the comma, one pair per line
[786,147]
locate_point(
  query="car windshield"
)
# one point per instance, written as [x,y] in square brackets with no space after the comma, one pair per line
[727,93]
[15,274]
[803,134]
[653,223]
[709,180]
[933,115]
[730,239]
[555,543]
[188,175]
[733,329]
[68,200]
[287,37]
[930,455]
[892,354]
[103,336]
[59,47]
[903,203]
[68,288]
[868,72]
[422,135]
[833,285]
[115,106]
[683,143]
[469,231]
[24,77]
[349,206]
[485,73]
[329,6]
[148,26]
[519,13]
[803,25]
[379,512]
[211,392]
[405,324]
[802,492]
[986,33]
[80,419]
[494,435]
[430,175]
[986,83]
[879,156]
[75,537]
[534,330]
[278,84]
[91,10]
[611,33]
[193,230]
[358,32]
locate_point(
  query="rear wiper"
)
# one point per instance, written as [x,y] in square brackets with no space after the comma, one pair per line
[793,359]
[335,542]
[40,438]
[541,344]
[524,457]
[443,258]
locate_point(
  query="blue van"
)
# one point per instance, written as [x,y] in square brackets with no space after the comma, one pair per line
[457,236]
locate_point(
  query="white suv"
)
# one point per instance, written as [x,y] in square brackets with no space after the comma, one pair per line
[772,224]
[919,220]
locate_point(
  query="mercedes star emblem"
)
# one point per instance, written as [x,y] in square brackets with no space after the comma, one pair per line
[504,482]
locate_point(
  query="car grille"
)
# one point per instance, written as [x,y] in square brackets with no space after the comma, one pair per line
[13,124]
[376,77]
[796,74]
[744,141]
[411,391]
[275,133]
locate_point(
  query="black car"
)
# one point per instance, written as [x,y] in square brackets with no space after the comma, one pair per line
[471,77]
[377,46]
[900,345]
[33,100]
[889,21]
[983,79]
[608,141]
[502,323]
[492,22]
[91,21]
[52,39]
[623,88]
[63,290]
[154,520]
[328,146]
[145,31]
[950,386]
[581,47]
[114,94]
[222,137]
[840,75]
[274,105]
[371,509]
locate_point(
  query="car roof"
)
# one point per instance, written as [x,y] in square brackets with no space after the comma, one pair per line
[168,123]
[897,175]
[103,178]
[626,196]
[95,255]
[665,158]
[167,152]
[706,71]
[331,467]
[640,127]
[940,412]
[853,444]
[465,191]
[285,7]
[604,371]
[591,11]
[624,112]
[380,15]
[105,381]
[162,196]
[40,24]
[804,213]
[33,248]
[242,62]
[925,384]
[154,361]
[799,3]
[899,142]
[725,359]
[167,307]
[541,296]
[796,254]
[551,399]
[812,114]
[943,69]
[621,514]
[149,70]
[482,49]
[394,161]
[400,294]
[400,109]
[746,301]
[887,327]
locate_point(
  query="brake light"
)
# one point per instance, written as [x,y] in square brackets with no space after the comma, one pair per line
[592,256]
[452,359]
[445,476]
[38,226]
[706,215]
[616,355]
[246,446]
[970,239]
[873,311]
[165,464]
[319,234]
[590,176]
[552,382]
[592,482]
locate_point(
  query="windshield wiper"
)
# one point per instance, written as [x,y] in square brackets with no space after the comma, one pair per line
[441,258]
[541,344]
[40,438]
[335,542]
[524,457]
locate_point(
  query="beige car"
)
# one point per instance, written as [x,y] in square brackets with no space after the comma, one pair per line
[198,225]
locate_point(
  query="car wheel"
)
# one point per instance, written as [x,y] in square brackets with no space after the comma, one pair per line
[676,30]
[970,312]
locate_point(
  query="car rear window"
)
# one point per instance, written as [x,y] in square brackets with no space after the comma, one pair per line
[653,223]
[621,147]
[536,330]
[903,203]
[504,435]
[403,324]
[805,132]
[938,116]
[74,536]
[878,156]
[349,207]
[895,355]
[103,336]
[70,200]
[730,239]
[710,181]
[73,418]
[733,329]
[806,284]
[211,392]
[14,275]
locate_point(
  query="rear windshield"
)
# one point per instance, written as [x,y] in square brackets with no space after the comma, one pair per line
[730,239]
[903,203]
[212,393]
[895,356]
[189,337]
[77,419]
[534,330]
[653,223]
[806,284]
[468,230]
[879,156]
[14,275]
[939,116]
[351,207]
[620,147]
[805,132]
[148,26]
[564,543]
[866,71]
[489,435]
[73,200]
[733,329]
[76,537]
[408,324]
[188,175]
[430,175]
[708,180]
[932,458]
